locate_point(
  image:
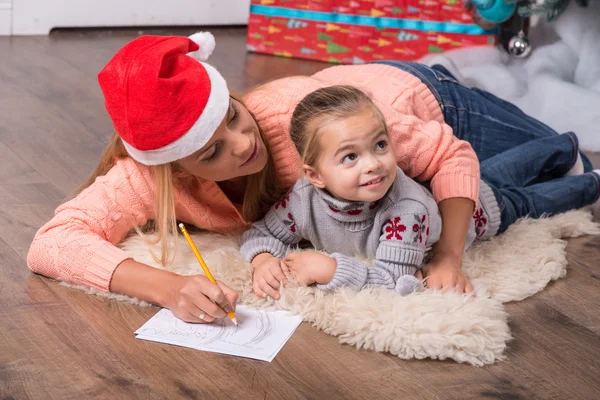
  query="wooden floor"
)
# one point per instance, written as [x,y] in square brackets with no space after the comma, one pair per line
[59,343]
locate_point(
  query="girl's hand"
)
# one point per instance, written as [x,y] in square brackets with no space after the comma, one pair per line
[196,299]
[268,275]
[445,273]
[310,267]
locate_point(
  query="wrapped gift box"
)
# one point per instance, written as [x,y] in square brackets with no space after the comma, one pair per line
[358,31]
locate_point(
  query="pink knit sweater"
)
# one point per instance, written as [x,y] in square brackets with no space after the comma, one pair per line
[78,244]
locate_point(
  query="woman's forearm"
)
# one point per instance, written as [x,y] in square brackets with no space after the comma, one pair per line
[456,217]
[143,282]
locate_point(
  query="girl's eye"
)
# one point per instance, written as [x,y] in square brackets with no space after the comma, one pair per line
[381,145]
[349,158]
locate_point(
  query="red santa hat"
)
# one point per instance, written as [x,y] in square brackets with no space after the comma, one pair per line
[165,103]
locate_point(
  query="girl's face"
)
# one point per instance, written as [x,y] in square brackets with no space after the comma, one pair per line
[236,149]
[355,161]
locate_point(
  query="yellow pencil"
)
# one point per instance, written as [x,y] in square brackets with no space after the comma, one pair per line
[187,237]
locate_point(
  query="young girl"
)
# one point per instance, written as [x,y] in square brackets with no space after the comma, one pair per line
[355,201]
[425,109]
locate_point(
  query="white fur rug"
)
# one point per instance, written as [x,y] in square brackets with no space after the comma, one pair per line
[428,324]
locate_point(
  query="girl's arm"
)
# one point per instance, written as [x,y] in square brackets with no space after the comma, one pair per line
[277,232]
[269,240]
[355,274]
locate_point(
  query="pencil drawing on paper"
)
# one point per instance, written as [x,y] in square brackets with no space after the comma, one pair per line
[260,334]
[252,331]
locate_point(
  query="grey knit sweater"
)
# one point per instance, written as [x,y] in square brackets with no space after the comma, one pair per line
[396,231]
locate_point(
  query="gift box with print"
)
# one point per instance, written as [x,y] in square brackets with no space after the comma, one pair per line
[358,31]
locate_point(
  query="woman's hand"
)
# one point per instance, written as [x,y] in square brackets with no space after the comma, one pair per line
[268,275]
[445,273]
[310,267]
[445,268]
[196,299]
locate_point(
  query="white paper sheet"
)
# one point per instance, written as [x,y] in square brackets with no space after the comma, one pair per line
[260,334]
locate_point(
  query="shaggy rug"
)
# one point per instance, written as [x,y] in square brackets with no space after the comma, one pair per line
[427,324]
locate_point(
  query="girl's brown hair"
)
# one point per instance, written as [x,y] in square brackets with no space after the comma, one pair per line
[339,101]
[262,190]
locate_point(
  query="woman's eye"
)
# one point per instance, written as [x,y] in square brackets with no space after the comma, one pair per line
[213,155]
[349,158]
[234,114]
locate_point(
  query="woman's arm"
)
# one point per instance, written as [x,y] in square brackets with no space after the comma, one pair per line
[429,151]
[143,282]
[186,296]
[78,245]
[445,268]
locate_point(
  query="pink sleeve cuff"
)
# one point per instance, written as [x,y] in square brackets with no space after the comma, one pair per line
[102,265]
[455,185]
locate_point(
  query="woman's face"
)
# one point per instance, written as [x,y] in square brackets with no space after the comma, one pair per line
[236,149]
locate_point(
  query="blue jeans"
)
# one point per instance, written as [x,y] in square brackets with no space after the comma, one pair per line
[528,180]
[522,159]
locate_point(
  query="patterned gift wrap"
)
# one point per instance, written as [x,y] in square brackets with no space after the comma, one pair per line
[359,31]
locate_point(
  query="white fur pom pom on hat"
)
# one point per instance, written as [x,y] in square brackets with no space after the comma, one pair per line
[206,41]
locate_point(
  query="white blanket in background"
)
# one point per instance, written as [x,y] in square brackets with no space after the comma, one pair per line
[559,83]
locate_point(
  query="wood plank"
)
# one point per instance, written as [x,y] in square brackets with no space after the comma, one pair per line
[563,354]
[18,287]
[28,201]
[594,158]
[314,364]
[50,353]
[45,152]
[51,97]
[576,296]
[381,373]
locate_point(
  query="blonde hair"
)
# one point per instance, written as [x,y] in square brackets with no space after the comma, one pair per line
[333,102]
[262,190]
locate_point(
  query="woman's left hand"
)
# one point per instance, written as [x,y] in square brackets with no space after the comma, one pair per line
[310,267]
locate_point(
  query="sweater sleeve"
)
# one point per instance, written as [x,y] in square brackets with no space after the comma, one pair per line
[430,151]
[78,244]
[278,232]
[356,274]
